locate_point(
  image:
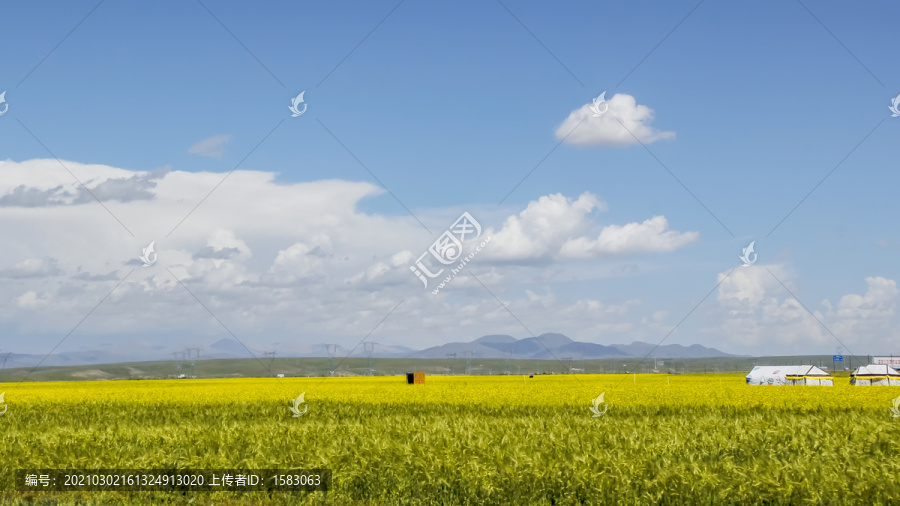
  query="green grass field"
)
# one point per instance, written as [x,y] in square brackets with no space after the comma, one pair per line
[319,366]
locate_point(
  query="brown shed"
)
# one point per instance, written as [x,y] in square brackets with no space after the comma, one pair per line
[415,378]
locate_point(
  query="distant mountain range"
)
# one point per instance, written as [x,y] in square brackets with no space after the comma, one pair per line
[543,347]
[558,346]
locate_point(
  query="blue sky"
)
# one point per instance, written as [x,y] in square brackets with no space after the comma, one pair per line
[450,106]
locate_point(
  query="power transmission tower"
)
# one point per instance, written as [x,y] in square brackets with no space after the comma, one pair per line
[506,363]
[332,350]
[568,361]
[272,359]
[451,355]
[370,347]
[5,357]
[193,363]
[469,362]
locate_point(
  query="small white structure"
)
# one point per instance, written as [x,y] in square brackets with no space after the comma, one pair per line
[891,361]
[875,374]
[789,375]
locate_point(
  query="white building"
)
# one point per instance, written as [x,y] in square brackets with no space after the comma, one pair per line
[789,375]
[891,361]
[875,374]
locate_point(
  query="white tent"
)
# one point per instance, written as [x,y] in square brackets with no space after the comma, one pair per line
[875,374]
[789,375]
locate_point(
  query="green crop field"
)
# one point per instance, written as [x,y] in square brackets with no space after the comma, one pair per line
[688,439]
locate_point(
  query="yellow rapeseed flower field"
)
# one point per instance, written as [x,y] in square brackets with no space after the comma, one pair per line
[625,391]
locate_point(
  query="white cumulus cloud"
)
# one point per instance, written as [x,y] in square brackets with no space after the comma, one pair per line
[623,124]
[867,317]
[300,262]
[211,146]
[651,235]
[555,226]
[757,311]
